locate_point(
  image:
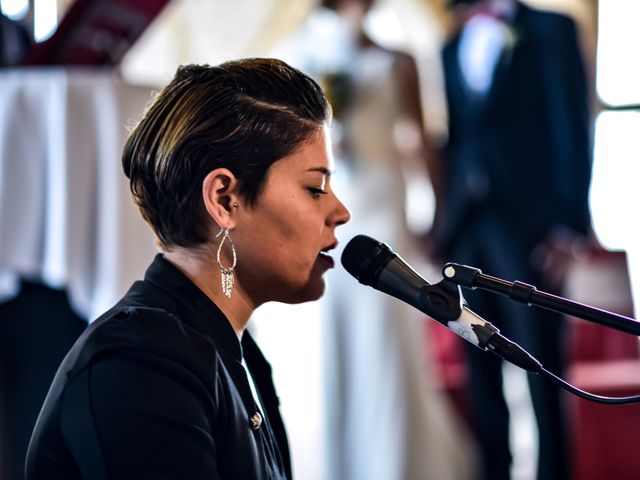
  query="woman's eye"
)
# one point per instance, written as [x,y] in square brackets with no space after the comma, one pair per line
[316,192]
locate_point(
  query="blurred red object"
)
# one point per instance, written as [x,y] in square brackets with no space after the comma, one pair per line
[447,353]
[604,362]
[95,32]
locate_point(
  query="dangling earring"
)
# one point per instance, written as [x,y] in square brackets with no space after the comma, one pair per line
[226,272]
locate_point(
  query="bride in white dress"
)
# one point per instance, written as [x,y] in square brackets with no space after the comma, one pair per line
[386,418]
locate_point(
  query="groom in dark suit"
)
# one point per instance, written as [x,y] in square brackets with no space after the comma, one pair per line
[512,197]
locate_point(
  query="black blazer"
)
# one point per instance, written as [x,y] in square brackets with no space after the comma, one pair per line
[523,152]
[155,388]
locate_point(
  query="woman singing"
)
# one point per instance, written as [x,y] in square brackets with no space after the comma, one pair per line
[231,167]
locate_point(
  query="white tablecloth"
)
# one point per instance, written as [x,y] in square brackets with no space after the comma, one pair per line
[66,213]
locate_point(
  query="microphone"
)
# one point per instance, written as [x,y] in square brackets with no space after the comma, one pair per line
[374,264]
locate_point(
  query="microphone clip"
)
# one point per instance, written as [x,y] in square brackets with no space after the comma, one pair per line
[443,300]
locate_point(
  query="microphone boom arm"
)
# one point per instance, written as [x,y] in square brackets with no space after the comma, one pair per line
[470,277]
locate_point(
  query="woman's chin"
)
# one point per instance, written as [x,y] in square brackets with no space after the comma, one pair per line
[310,292]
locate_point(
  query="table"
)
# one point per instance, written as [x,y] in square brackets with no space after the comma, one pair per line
[67,218]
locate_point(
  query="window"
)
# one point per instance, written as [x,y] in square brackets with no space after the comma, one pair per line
[615,193]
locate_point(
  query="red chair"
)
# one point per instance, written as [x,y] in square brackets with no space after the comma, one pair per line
[604,362]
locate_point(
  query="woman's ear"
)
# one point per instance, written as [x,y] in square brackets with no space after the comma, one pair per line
[219,192]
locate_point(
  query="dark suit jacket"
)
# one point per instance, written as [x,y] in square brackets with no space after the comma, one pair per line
[155,389]
[521,153]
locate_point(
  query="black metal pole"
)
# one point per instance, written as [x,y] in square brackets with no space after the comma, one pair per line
[471,277]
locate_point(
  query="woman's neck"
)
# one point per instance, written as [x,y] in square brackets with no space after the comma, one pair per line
[199,266]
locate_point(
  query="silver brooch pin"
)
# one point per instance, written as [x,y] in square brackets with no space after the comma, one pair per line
[256,421]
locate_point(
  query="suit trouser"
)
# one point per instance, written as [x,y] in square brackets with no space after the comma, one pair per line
[537,330]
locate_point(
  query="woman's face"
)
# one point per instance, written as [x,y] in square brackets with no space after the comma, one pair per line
[281,241]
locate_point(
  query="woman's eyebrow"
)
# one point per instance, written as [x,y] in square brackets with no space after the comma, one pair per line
[323,170]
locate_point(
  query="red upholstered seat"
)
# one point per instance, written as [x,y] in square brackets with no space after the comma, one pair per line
[604,362]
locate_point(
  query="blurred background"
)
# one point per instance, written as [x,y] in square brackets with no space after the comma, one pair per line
[75,75]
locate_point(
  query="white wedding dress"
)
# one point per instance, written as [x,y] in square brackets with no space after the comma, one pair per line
[387,418]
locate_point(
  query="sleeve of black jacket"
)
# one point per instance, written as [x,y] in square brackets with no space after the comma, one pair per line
[134,399]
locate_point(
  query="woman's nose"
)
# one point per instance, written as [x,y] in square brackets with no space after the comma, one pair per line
[341,214]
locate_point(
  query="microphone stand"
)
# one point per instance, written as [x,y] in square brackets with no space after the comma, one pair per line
[473,278]
[470,277]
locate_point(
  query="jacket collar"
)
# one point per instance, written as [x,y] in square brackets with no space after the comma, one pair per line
[192,305]
[194,308]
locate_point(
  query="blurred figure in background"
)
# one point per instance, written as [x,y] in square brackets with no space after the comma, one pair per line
[386,420]
[14,42]
[513,197]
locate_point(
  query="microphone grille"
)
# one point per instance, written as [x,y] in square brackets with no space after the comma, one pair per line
[358,254]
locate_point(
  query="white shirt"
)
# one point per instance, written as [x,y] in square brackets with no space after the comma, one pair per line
[481,43]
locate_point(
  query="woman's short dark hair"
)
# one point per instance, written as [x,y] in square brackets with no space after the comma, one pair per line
[242,115]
